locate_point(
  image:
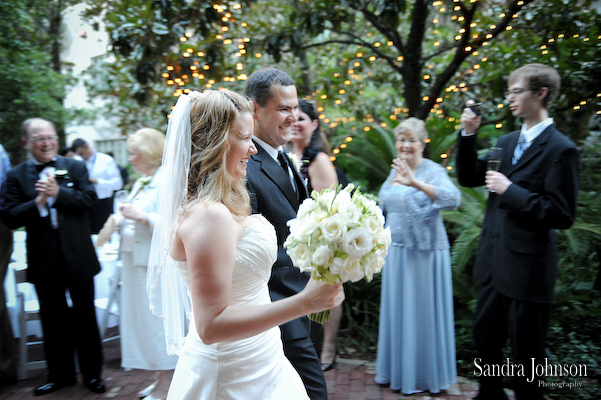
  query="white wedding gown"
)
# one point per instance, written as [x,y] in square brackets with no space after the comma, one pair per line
[250,369]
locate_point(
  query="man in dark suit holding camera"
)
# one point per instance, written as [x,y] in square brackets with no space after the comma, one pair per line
[276,191]
[533,194]
[50,195]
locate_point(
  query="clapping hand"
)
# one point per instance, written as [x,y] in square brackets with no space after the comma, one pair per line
[404,175]
[46,188]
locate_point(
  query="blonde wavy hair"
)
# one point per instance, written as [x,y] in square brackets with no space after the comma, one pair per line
[150,143]
[212,116]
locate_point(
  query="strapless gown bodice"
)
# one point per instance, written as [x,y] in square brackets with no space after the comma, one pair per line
[251,368]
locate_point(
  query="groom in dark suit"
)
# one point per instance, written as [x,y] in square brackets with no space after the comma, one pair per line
[50,195]
[276,191]
[534,193]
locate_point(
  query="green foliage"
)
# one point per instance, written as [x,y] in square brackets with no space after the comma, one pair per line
[358,58]
[118,90]
[464,226]
[30,87]
[575,320]
[369,163]
[361,313]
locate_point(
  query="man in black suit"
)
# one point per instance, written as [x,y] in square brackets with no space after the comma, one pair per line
[534,193]
[276,191]
[50,195]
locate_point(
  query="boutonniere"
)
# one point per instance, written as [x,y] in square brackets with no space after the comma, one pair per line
[144,181]
[61,174]
[294,160]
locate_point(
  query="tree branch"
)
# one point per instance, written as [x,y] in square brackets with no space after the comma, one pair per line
[360,42]
[387,32]
[461,54]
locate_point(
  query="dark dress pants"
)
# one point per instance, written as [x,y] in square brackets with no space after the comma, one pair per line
[499,318]
[302,355]
[317,337]
[70,330]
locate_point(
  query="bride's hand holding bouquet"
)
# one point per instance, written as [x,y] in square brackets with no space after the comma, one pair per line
[319,296]
[338,236]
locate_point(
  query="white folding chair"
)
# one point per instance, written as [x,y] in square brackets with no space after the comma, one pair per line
[110,304]
[28,310]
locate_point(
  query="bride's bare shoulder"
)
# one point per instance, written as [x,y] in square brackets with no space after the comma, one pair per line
[202,225]
[201,217]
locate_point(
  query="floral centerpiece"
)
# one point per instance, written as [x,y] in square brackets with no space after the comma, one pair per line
[338,236]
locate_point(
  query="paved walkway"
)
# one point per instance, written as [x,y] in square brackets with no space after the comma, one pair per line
[349,380]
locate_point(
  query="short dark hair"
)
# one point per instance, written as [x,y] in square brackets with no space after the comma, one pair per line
[65,150]
[77,143]
[536,77]
[259,83]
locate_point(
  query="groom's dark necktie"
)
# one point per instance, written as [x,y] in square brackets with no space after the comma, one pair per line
[285,164]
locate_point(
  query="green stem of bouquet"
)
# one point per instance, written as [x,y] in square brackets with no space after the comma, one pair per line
[320,317]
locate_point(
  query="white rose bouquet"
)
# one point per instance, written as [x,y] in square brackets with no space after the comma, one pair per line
[338,237]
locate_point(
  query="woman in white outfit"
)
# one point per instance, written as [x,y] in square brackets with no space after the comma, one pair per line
[142,333]
[224,256]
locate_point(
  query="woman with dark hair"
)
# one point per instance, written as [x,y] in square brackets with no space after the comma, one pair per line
[311,148]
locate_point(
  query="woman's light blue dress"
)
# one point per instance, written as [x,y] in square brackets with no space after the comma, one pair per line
[416,342]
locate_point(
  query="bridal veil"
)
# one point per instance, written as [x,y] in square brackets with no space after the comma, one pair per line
[168,295]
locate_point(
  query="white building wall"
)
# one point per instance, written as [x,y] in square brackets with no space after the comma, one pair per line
[81,44]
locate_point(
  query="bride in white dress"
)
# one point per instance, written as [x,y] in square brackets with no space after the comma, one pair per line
[223,255]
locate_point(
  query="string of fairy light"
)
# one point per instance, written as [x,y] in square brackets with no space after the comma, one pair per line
[199,70]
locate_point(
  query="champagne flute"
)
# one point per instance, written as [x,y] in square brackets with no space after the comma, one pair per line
[493,160]
[495,154]
[120,197]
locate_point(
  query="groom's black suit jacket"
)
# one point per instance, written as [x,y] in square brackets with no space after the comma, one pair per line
[517,249]
[76,197]
[273,196]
